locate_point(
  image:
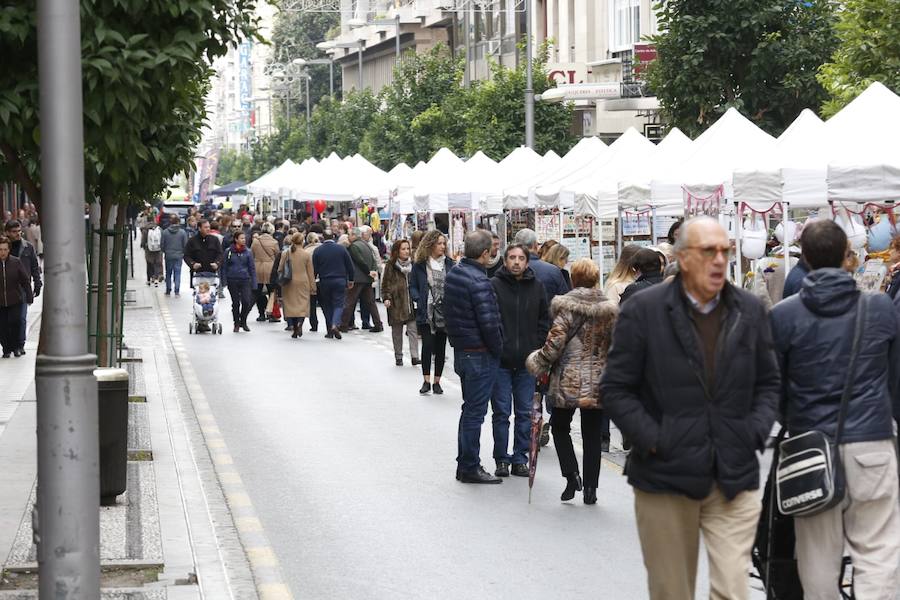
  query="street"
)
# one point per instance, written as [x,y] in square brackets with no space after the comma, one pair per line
[351,472]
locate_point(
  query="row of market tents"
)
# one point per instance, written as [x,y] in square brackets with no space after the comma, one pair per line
[853,157]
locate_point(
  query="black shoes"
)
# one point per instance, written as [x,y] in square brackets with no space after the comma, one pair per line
[336,333]
[287,328]
[314,329]
[297,332]
[244,327]
[6,355]
[426,387]
[479,475]
[573,485]
[416,361]
[604,446]
[590,495]
[520,470]
[329,335]
[398,362]
[378,329]
[365,327]
[260,319]
[502,469]
[274,320]
[545,435]
[237,328]
[21,351]
[436,388]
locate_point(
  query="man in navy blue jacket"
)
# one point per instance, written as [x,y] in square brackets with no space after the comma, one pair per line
[334,269]
[473,327]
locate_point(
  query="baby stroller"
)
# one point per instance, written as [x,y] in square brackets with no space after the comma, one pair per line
[205,315]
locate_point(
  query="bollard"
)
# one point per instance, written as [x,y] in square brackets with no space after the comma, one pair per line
[112,405]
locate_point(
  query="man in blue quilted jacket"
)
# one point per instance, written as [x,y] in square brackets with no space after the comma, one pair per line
[473,327]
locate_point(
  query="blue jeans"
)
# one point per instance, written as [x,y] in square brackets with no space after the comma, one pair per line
[513,391]
[331,294]
[477,372]
[173,270]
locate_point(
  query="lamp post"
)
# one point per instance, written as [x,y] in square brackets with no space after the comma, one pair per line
[529,80]
[361,44]
[303,62]
[394,22]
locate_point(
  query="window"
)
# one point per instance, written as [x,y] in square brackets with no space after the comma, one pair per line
[624,24]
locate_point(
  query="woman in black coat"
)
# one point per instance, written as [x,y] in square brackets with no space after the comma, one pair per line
[426,287]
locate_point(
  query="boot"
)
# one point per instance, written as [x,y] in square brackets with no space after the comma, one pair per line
[295,333]
[590,495]
[573,485]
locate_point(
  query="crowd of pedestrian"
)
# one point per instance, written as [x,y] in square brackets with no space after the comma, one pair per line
[21,253]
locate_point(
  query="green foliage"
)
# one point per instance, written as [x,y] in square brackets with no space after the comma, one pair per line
[424,109]
[760,56]
[295,35]
[145,76]
[869,51]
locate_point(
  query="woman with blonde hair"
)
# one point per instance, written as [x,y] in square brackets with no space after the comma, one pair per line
[622,276]
[575,356]
[296,291]
[426,287]
[558,256]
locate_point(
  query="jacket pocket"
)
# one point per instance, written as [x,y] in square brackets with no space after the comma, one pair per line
[869,476]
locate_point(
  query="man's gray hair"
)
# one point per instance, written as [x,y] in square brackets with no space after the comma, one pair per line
[267,228]
[477,243]
[356,232]
[682,236]
[527,237]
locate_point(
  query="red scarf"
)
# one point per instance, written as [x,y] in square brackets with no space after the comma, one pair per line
[239,247]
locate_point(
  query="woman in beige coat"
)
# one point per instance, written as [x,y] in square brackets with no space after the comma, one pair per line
[264,250]
[575,356]
[295,293]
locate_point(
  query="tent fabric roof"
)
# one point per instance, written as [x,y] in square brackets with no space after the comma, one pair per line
[634,188]
[229,188]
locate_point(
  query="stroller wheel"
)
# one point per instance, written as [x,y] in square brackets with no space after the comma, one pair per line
[190,328]
[220,329]
[215,328]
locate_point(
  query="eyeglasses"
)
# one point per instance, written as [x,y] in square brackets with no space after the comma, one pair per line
[711,252]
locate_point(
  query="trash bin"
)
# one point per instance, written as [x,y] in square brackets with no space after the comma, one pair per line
[112,405]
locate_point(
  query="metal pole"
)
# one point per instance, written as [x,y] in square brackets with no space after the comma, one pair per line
[360,67]
[308,128]
[529,80]
[738,236]
[397,41]
[331,78]
[68,518]
[467,78]
[287,106]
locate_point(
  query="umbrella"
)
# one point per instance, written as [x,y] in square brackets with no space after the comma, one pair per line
[537,424]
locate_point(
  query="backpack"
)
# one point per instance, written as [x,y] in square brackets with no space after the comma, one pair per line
[154,239]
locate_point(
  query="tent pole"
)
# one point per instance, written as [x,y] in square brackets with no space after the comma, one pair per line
[738,235]
[785,210]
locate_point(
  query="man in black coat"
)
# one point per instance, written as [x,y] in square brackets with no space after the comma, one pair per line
[26,253]
[203,252]
[525,317]
[334,270]
[692,380]
[814,333]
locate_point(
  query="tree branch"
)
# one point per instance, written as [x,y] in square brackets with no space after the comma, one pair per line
[20,173]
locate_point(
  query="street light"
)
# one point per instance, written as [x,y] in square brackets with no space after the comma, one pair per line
[361,44]
[356,23]
[302,62]
[529,80]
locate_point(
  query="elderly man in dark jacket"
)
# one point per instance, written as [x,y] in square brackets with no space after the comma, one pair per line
[203,252]
[365,270]
[526,320]
[473,327]
[814,333]
[26,253]
[692,379]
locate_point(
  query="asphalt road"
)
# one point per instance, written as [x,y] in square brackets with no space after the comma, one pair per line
[352,474]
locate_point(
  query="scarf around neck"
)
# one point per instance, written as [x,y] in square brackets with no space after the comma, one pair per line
[404,266]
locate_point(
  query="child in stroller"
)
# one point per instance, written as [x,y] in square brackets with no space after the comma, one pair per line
[206,309]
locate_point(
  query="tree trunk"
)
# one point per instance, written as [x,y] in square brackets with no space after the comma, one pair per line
[118,276]
[103,354]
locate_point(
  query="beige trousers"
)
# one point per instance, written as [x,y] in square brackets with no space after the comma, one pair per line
[867,523]
[669,527]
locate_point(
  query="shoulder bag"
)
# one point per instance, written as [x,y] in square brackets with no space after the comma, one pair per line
[809,478]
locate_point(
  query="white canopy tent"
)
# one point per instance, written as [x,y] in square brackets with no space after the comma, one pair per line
[634,187]
[271,182]
[865,166]
[597,193]
[342,180]
[422,181]
[552,170]
[730,142]
[463,192]
[582,159]
[516,166]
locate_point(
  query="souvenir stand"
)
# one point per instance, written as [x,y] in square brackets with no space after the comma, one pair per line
[431,194]
[462,197]
[518,199]
[517,165]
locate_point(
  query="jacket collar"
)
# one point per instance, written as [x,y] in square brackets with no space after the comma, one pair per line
[472,263]
[505,275]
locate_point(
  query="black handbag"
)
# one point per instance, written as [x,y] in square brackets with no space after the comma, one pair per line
[809,476]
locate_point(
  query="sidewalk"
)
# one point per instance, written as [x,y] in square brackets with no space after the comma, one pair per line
[171,535]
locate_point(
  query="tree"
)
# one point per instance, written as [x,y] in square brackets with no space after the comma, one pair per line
[869,51]
[495,116]
[295,35]
[760,56]
[340,126]
[145,76]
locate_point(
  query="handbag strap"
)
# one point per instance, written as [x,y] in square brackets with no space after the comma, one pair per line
[861,309]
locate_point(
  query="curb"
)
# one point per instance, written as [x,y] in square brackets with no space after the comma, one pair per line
[270,584]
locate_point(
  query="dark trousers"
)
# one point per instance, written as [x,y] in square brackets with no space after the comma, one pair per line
[433,345]
[10,320]
[591,433]
[364,314]
[365,293]
[513,394]
[23,326]
[241,300]
[331,293]
[261,298]
[313,317]
[477,372]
